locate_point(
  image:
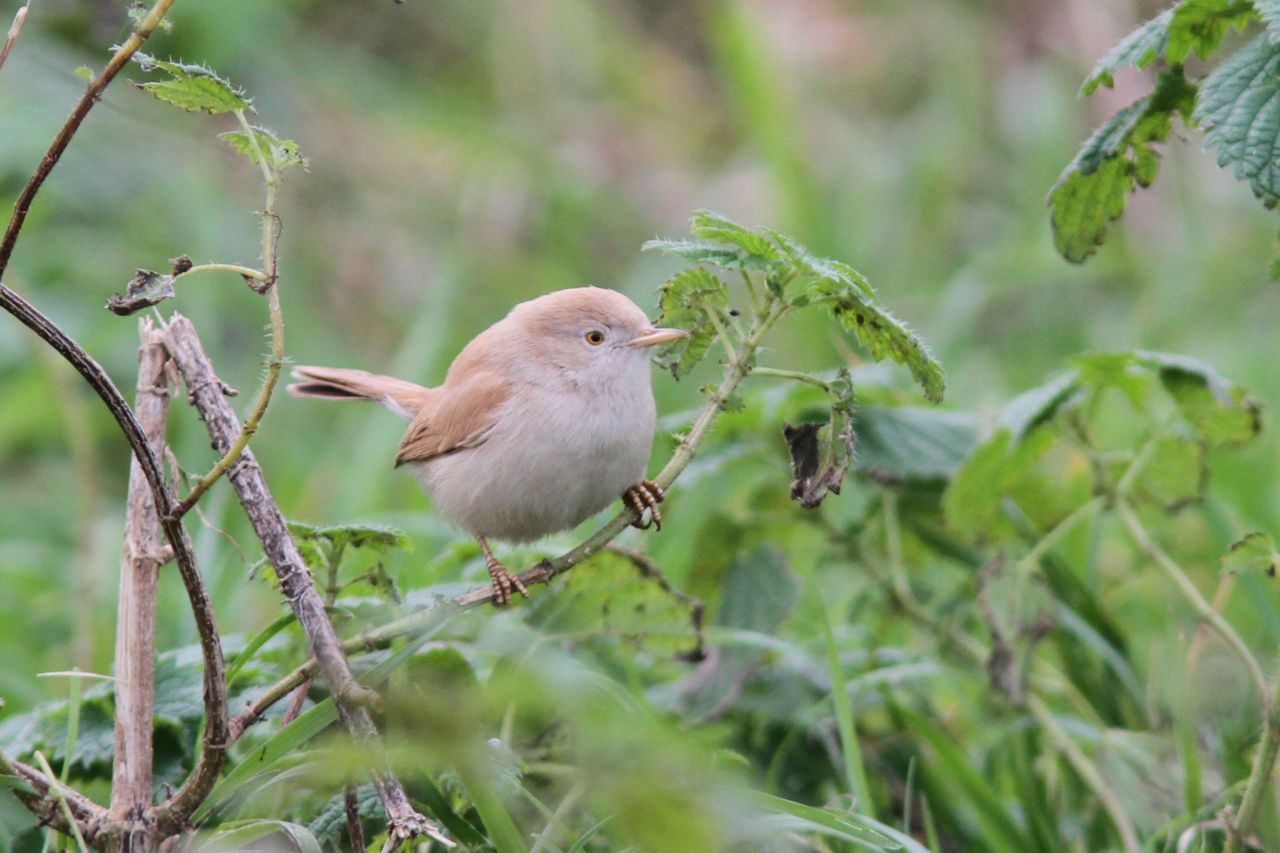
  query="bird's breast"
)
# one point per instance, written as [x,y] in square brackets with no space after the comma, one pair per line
[554,457]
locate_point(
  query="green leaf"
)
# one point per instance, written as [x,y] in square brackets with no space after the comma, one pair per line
[1256,552]
[191,87]
[329,826]
[971,503]
[713,226]
[850,299]
[854,828]
[1269,12]
[1118,157]
[1119,370]
[1176,473]
[620,598]
[699,251]
[242,833]
[687,301]
[902,444]
[1240,110]
[1139,49]
[757,594]
[1222,412]
[1198,26]
[280,154]
[1032,408]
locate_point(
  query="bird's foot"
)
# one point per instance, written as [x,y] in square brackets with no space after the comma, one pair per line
[645,495]
[503,582]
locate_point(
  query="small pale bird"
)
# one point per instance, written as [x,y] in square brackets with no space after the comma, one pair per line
[542,420]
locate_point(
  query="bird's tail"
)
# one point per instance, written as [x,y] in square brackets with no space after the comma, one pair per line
[339,383]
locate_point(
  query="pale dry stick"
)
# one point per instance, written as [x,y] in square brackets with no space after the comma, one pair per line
[1088,773]
[432,617]
[295,580]
[143,554]
[13,32]
[215,689]
[92,93]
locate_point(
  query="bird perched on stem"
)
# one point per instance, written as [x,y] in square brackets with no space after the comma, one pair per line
[542,420]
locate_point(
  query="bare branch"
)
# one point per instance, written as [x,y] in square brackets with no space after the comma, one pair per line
[136,627]
[47,801]
[13,33]
[295,581]
[60,142]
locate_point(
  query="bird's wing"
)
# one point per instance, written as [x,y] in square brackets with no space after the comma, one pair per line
[463,416]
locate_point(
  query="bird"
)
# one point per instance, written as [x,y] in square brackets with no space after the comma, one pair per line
[542,420]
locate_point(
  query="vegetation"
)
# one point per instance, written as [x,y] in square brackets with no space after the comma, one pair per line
[1038,614]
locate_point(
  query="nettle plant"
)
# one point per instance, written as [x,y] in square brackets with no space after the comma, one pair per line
[1234,103]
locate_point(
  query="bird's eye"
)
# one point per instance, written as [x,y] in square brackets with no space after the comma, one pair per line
[595,337]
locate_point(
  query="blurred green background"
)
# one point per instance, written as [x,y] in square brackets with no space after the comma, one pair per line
[467,155]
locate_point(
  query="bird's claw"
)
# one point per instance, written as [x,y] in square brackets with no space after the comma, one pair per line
[645,495]
[504,583]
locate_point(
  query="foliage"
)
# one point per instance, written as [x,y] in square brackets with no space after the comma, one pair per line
[1234,103]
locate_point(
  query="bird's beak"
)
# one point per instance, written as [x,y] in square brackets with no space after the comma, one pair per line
[653,337]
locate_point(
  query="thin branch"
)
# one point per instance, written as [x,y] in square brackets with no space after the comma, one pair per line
[1202,607]
[1088,773]
[295,580]
[45,803]
[60,142]
[13,33]
[432,617]
[268,276]
[215,689]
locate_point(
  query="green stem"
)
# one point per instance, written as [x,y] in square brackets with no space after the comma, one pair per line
[1087,771]
[1202,607]
[275,361]
[793,375]
[247,272]
[1264,763]
[1032,558]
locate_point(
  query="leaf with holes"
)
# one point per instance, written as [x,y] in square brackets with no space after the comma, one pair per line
[1198,26]
[1255,552]
[1223,413]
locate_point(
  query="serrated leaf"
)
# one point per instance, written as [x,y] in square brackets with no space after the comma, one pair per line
[1119,156]
[971,504]
[1175,474]
[698,252]
[615,597]
[1198,26]
[1255,552]
[849,298]
[191,87]
[330,825]
[375,536]
[1031,408]
[280,154]
[1269,12]
[904,444]
[710,225]
[1137,50]
[1223,413]
[1240,109]
[687,300]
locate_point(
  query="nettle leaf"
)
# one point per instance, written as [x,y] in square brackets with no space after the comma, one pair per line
[1269,12]
[280,154]
[1240,110]
[191,87]
[330,825]
[1198,26]
[850,299]
[687,301]
[1119,370]
[1032,408]
[1223,413]
[1117,158]
[971,504]
[618,597]
[904,444]
[1256,552]
[1176,472]
[1139,49]
[699,251]
[713,226]
[375,536]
